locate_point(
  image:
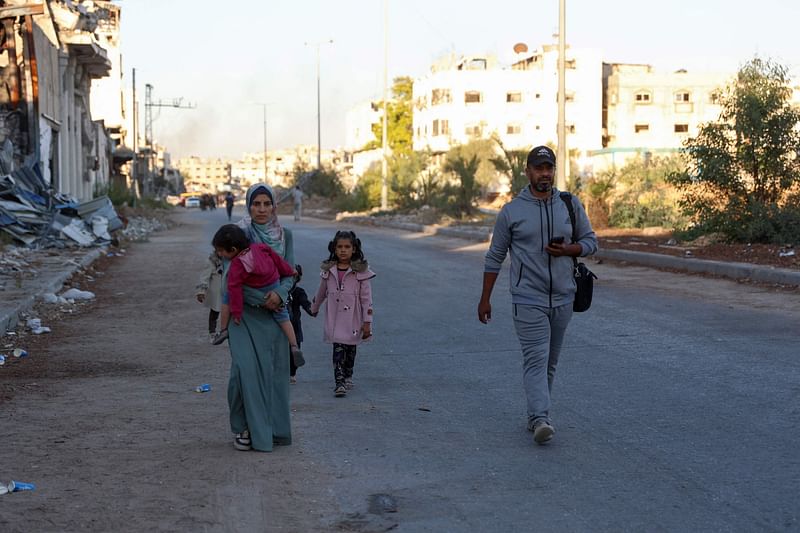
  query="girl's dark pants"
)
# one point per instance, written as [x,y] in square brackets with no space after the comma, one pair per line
[344,359]
[212,321]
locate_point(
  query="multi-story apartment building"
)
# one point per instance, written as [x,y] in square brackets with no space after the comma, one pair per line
[645,111]
[472,97]
[204,175]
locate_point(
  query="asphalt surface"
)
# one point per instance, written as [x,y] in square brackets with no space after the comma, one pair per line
[675,405]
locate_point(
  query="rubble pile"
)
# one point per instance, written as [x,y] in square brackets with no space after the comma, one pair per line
[34,215]
[139,228]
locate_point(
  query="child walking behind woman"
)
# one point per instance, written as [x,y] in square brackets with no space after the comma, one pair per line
[257,266]
[345,284]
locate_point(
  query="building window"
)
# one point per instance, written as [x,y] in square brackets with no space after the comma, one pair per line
[440,96]
[714,97]
[643,97]
[538,95]
[473,97]
[440,127]
[639,128]
[473,130]
[570,128]
[513,129]
[681,128]
[681,97]
[513,98]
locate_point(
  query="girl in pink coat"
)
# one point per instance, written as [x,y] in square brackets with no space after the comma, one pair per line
[345,285]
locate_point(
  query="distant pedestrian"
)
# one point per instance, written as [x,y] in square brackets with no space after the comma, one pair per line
[257,266]
[345,285]
[297,195]
[298,299]
[229,199]
[209,291]
[533,228]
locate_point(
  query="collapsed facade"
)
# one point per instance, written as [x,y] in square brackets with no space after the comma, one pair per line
[52,51]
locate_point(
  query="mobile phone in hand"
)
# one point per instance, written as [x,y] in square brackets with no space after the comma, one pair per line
[557,240]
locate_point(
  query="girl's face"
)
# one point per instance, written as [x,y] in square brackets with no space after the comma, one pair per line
[261,208]
[344,250]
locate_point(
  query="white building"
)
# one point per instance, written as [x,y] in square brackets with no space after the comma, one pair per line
[473,97]
[654,112]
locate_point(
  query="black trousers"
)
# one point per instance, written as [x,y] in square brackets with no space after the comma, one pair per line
[212,320]
[344,359]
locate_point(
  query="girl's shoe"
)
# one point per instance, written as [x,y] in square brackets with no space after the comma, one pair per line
[242,441]
[297,356]
[292,380]
[340,390]
[221,337]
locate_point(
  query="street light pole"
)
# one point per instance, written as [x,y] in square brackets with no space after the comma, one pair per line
[561,156]
[384,136]
[319,128]
[264,109]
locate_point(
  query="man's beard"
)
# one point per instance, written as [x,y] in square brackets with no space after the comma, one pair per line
[543,186]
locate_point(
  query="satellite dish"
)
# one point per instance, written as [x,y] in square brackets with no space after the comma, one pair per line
[520,48]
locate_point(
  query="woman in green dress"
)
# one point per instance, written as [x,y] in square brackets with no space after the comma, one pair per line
[258,389]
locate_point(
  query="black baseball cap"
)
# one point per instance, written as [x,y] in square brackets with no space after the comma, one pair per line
[541,155]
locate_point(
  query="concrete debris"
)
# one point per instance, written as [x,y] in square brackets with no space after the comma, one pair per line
[140,228]
[34,215]
[77,294]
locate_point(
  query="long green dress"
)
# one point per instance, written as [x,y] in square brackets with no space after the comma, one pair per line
[258,389]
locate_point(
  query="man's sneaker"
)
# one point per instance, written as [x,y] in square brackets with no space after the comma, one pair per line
[221,337]
[211,337]
[297,356]
[242,441]
[348,383]
[340,390]
[542,432]
[292,380]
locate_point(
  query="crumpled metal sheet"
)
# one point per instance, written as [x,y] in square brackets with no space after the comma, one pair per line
[32,213]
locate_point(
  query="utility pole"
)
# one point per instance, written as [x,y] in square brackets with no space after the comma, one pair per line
[134,165]
[319,128]
[561,156]
[384,136]
[264,109]
[149,104]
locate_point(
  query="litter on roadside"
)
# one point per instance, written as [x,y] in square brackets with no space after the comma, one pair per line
[16,486]
[19,352]
[786,253]
[2,360]
[205,387]
[77,294]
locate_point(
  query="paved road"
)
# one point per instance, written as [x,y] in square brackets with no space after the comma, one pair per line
[675,406]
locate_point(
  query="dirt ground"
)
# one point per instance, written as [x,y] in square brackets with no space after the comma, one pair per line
[102,415]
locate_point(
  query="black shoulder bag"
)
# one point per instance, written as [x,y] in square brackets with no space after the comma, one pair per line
[584,278]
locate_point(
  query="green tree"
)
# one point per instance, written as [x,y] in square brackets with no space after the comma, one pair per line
[742,168]
[398,117]
[323,182]
[512,163]
[464,167]
[642,195]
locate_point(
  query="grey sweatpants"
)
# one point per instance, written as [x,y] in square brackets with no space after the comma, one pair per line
[541,332]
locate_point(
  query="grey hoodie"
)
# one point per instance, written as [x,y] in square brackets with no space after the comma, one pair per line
[525,226]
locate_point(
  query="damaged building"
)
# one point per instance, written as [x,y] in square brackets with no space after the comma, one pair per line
[51,53]
[62,118]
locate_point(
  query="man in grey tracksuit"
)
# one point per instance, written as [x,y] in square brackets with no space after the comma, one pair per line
[535,227]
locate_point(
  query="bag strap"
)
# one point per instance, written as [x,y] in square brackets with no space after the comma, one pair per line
[567,197]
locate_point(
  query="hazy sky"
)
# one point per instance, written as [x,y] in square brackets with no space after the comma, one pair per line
[225,56]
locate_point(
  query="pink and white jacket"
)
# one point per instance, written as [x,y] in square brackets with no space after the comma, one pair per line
[349,304]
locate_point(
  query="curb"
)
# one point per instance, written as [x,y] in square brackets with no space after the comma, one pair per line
[10,318]
[736,271]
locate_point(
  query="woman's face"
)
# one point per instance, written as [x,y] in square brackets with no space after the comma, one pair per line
[261,208]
